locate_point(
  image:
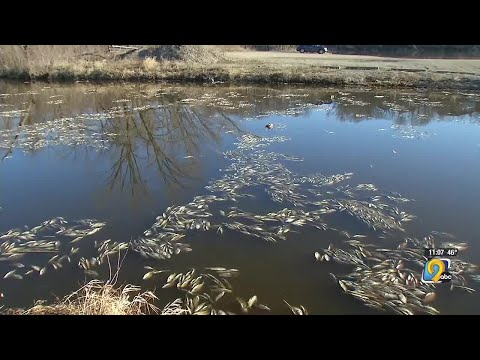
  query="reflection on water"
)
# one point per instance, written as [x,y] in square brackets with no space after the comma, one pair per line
[151,125]
[127,154]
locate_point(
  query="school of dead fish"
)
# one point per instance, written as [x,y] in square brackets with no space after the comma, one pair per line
[381,278]
[205,292]
[390,278]
[53,242]
[64,131]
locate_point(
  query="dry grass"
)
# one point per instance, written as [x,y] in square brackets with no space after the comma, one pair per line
[37,60]
[104,298]
[228,48]
[201,54]
[204,63]
[98,298]
[150,64]
[101,298]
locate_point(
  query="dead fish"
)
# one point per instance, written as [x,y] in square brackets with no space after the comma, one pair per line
[148,275]
[296,310]
[93,231]
[243,305]
[343,285]
[43,271]
[252,301]
[168,285]
[405,311]
[171,277]
[198,288]
[216,268]
[389,296]
[318,257]
[430,297]
[219,296]
[9,274]
[77,239]
[262,307]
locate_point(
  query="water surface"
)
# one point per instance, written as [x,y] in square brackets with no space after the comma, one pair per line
[122,154]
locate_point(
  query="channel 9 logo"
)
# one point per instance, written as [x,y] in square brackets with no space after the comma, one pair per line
[436,271]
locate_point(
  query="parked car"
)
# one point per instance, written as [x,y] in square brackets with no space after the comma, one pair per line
[321,49]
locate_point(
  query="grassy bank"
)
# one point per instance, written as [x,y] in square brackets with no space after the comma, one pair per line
[260,68]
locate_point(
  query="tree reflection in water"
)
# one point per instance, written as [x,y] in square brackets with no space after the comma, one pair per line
[160,135]
[157,125]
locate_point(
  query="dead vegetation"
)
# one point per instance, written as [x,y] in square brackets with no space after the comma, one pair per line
[206,64]
[204,54]
[99,298]
[65,61]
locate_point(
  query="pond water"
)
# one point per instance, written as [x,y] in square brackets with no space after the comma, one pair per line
[184,177]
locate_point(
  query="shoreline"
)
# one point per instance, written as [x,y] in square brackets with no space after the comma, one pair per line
[233,73]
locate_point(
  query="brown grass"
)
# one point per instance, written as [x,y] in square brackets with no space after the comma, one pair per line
[150,64]
[104,298]
[203,63]
[98,298]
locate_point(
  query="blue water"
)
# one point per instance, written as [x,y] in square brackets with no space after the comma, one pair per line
[439,169]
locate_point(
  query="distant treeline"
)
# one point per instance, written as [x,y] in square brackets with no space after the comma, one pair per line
[396,50]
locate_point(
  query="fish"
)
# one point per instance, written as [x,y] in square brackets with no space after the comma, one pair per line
[220,295]
[9,274]
[343,285]
[198,288]
[262,307]
[148,275]
[252,301]
[171,277]
[296,310]
[243,305]
[429,298]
